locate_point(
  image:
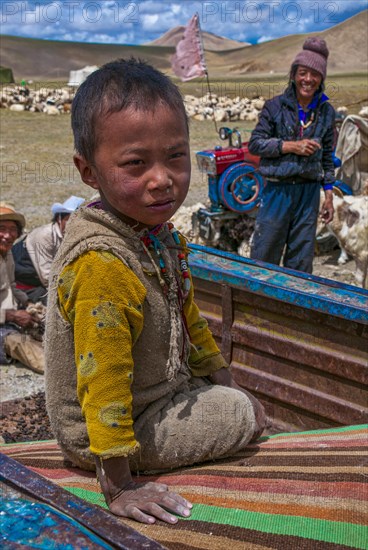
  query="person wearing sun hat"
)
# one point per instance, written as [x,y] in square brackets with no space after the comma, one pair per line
[67,207]
[12,224]
[34,254]
[7,213]
[295,140]
[13,315]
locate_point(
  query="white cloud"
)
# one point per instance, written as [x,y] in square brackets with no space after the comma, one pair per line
[262,39]
[141,21]
[149,21]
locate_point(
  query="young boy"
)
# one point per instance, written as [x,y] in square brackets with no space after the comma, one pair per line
[134,379]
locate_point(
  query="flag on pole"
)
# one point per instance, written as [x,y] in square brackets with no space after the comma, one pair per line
[188,62]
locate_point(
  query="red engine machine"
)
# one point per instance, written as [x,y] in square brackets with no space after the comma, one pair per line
[234,187]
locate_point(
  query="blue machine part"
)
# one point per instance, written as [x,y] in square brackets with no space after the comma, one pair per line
[344,187]
[213,194]
[336,160]
[240,188]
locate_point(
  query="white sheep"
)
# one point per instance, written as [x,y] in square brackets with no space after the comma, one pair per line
[17,107]
[182,220]
[350,227]
[51,110]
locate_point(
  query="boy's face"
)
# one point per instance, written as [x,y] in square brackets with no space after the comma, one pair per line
[141,164]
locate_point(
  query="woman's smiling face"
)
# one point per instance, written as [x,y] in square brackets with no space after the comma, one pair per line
[141,164]
[307,82]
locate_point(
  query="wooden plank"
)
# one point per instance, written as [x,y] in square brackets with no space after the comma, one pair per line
[227,321]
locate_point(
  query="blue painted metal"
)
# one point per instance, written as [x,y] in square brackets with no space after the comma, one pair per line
[28,524]
[289,286]
[213,194]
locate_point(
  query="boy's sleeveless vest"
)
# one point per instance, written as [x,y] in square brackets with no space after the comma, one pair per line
[162,334]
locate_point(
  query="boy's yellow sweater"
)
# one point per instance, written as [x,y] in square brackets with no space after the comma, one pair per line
[113,337]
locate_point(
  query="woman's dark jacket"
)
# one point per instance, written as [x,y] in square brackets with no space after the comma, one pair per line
[278,122]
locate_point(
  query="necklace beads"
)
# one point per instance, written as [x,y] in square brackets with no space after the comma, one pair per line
[151,240]
[181,256]
[184,271]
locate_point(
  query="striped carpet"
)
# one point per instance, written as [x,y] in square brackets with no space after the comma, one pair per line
[297,491]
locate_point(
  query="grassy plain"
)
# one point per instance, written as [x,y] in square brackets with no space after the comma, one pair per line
[36,150]
[37,162]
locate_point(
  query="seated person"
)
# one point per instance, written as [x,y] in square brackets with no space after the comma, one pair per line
[13,301]
[134,378]
[34,253]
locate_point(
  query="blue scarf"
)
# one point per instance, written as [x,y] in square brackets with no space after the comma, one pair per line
[303,115]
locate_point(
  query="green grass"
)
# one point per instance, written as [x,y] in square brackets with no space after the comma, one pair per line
[36,163]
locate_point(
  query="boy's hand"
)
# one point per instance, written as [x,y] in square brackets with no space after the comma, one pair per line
[145,502]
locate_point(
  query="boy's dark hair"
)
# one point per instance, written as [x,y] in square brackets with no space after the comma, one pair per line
[113,88]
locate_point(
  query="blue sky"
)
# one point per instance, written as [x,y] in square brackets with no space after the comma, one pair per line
[139,22]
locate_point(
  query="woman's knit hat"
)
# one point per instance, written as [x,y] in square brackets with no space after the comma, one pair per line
[314,55]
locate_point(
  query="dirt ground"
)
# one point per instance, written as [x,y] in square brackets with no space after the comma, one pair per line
[326,266]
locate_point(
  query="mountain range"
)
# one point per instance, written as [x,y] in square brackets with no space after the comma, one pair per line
[53,60]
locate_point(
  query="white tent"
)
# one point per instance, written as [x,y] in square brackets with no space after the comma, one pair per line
[77,77]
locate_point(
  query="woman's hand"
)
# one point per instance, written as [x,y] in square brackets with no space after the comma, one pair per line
[327,209]
[145,502]
[304,147]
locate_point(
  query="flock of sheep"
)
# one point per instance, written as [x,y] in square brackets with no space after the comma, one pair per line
[57,101]
[38,100]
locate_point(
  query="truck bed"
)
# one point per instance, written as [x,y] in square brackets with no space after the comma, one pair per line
[297,341]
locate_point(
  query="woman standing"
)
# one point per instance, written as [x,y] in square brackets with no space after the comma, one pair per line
[295,140]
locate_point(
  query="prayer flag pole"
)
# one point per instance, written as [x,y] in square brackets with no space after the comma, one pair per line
[189,61]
